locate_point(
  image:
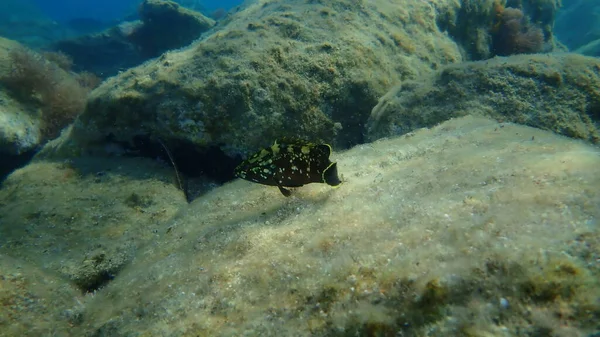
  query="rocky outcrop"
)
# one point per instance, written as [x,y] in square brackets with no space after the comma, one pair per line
[288,68]
[105,53]
[164,25]
[39,96]
[273,69]
[557,92]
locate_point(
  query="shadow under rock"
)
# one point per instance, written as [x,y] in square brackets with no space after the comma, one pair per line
[11,162]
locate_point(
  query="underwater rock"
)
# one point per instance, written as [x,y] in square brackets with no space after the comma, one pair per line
[487,28]
[164,25]
[39,96]
[36,302]
[426,236]
[578,23]
[19,126]
[273,68]
[105,53]
[84,219]
[590,49]
[556,92]
[19,121]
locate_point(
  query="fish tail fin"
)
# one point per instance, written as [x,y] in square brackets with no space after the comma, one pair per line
[330,175]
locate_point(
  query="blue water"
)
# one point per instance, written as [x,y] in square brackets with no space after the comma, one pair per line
[107,10]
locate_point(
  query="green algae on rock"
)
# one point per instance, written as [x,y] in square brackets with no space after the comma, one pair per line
[274,68]
[556,92]
[468,228]
[38,97]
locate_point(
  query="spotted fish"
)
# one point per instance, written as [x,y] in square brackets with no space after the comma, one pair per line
[290,163]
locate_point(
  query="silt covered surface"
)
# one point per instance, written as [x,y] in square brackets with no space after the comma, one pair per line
[473,227]
[470,228]
[84,219]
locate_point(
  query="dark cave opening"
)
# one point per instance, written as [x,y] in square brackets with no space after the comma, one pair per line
[11,162]
[210,165]
[191,162]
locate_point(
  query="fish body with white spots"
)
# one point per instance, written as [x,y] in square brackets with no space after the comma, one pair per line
[290,163]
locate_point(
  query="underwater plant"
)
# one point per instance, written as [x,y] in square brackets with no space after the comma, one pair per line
[513,33]
[60,95]
[62,60]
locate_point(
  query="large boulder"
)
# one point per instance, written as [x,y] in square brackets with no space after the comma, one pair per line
[557,92]
[274,68]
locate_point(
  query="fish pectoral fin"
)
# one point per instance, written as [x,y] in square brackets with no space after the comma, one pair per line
[284,191]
